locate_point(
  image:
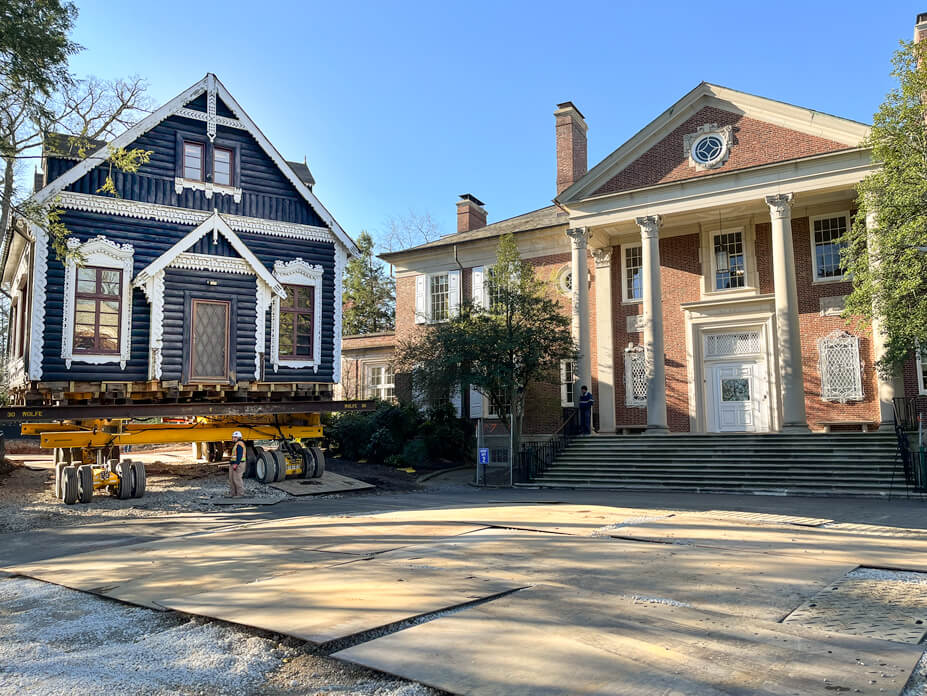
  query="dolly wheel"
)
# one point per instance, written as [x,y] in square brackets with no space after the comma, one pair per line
[85,483]
[69,485]
[281,464]
[59,478]
[138,469]
[265,468]
[319,458]
[126,486]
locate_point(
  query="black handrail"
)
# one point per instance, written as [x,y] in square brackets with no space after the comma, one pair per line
[534,457]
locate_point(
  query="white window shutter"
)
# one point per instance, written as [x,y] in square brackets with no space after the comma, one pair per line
[457,401]
[477,291]
[453,292]
[476,403]
[421,305]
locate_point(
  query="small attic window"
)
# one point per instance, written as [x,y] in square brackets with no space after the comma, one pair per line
[707,149]
[222,166]
[194,157]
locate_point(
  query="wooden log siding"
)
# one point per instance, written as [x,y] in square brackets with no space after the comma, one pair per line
[266,192]
[151,238]
[239,290]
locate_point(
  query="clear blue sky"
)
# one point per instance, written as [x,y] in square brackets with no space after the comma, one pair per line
[403,106]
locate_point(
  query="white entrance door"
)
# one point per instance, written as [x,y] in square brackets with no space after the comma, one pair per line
[737,397]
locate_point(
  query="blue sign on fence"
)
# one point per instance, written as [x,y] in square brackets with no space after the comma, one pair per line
[484,455]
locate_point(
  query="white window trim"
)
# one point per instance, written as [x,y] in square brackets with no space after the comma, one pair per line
[749,245]
[624,275]
[921,388]
[208,187]
[297,272]
[103,253]
[369,387]
[563,384]
[814,255]
[631,353]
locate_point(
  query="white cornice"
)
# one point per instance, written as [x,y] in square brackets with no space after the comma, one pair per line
[213,88]
[187,216]
[850,133]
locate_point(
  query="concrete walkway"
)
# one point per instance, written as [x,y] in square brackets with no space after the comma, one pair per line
[534,592]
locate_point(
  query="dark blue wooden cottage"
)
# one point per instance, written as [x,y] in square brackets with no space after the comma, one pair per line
[216,272]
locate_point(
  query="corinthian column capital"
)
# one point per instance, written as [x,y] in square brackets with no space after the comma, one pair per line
[650,225]
[780,205]
[579,236]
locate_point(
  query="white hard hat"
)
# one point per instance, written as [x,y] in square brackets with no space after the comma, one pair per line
[237,434]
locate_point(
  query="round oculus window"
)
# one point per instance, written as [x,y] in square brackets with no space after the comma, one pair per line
[708,149]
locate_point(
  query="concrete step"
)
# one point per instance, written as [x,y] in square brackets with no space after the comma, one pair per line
[810,492]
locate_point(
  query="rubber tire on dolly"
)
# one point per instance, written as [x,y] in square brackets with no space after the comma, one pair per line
[59,477]
[139,472]
[265,468]
[250,458]
[281,464]
[125,489]
[69,485]
[85,483]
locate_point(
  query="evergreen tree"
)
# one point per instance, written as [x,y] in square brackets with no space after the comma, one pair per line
[369,295]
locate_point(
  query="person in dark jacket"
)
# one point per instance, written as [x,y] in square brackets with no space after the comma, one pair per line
[585,410]
[237,467]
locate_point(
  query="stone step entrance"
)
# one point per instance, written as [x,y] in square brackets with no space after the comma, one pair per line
[844,464]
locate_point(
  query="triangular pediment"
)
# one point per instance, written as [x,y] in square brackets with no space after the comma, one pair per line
[187,254]
[750,132]
[209,101]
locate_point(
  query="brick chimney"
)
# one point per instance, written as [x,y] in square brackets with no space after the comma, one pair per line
[571,145]
[471,215]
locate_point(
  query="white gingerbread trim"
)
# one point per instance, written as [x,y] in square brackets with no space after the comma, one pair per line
[104,253]
[188,216]
[261,306]
[207,186]
[215,224]
[213,87]
[154,291]
[340,262]
[298,272]
[39,284]
[203,116]
[723,133]
[215,264]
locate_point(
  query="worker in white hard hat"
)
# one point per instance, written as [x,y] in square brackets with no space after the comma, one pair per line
[236,466]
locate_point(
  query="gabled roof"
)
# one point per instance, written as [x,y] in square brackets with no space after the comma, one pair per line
[66,146]
[301,169]
[209,84]
[842,133]
[551,216]
[214,223]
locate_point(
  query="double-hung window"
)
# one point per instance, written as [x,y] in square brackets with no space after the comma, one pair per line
[296,317]
[194,160]
[632,279]
[380,383]
[567,382]
[828,233]
[729,260]
[223,166]
[97,310]
[494,291]
[440,297]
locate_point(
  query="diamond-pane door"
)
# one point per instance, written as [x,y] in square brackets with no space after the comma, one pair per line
[210,341]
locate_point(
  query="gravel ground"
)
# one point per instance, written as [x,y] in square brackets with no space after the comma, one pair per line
[58,642]
[27,499]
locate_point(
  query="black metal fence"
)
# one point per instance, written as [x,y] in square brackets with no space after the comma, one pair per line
[912,457]
[534,457]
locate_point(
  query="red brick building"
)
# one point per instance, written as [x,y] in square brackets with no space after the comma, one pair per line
[709,251]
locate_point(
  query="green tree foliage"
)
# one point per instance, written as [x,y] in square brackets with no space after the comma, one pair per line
[501,349]
[889,272]
[369,296]
[34,44]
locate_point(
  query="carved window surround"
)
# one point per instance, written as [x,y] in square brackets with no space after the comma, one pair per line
[104,253]
[298,272]
[635,376]
[841,368]
[723,134]
[208,187]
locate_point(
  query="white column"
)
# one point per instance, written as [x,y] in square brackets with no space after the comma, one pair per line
[791,381]
[605,339]
[887,385]
[579,236]
[653,324]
